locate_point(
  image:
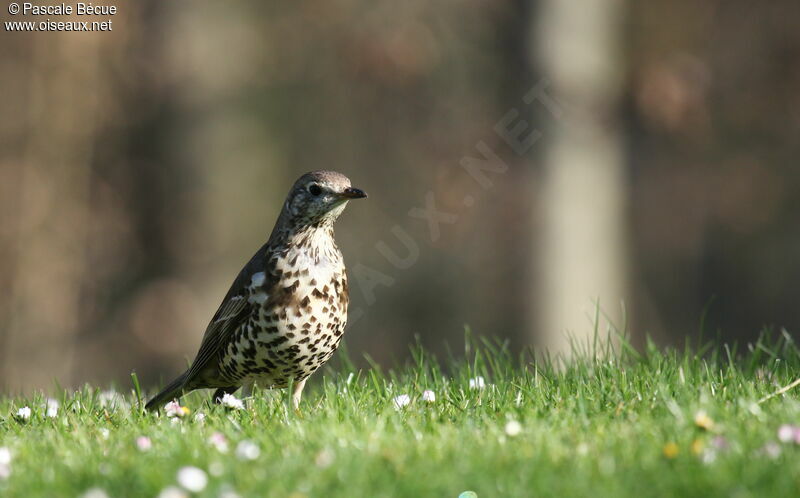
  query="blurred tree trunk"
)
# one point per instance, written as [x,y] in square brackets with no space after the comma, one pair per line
[54,173]
[582,206]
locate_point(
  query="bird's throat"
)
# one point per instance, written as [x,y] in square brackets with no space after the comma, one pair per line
[317,244]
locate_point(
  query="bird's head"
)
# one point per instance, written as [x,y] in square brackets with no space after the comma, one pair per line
[319,197]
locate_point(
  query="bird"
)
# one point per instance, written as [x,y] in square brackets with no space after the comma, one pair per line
[286,311]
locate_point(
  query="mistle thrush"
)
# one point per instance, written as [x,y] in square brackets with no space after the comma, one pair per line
[285,313]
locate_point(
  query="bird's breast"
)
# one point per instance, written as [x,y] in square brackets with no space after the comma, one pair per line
[301,320]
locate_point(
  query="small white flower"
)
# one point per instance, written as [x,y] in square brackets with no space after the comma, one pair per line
[104,433]
[324,458]
[95,493]
[513,428]
[144,443]
[477,383]
[703,421]
[401,401]
[5,463]
[200,417]
[429,396]
[231,401]
[786,433]
[24,413]
[172,492]
[51,408]
[174,409]
[218,441]
[192,479]
[247,450]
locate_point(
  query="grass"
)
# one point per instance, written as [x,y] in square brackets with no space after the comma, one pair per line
[619,427]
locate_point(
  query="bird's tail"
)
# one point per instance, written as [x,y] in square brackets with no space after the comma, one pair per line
[172,391]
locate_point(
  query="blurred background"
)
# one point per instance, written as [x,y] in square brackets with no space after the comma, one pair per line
[526,162]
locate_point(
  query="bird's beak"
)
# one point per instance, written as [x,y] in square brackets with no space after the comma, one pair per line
[353,193]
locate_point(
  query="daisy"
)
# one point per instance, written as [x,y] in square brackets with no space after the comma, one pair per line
[231,401]
[401,401]
[95,493]
[477,383]
[513,428]
[192,479]
[703,421]
[172,492]
[5,463]
[218,441]
[24,413]
[143,443]
[787,433]
[51,408]
[174,409]
[247,450]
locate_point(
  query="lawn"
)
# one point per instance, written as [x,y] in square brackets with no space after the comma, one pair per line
[692,422]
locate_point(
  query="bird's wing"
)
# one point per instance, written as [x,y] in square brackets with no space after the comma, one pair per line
[243,298]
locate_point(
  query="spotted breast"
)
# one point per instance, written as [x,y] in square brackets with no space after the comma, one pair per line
[300,311]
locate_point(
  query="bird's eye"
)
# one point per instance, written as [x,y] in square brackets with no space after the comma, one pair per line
[314,189]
